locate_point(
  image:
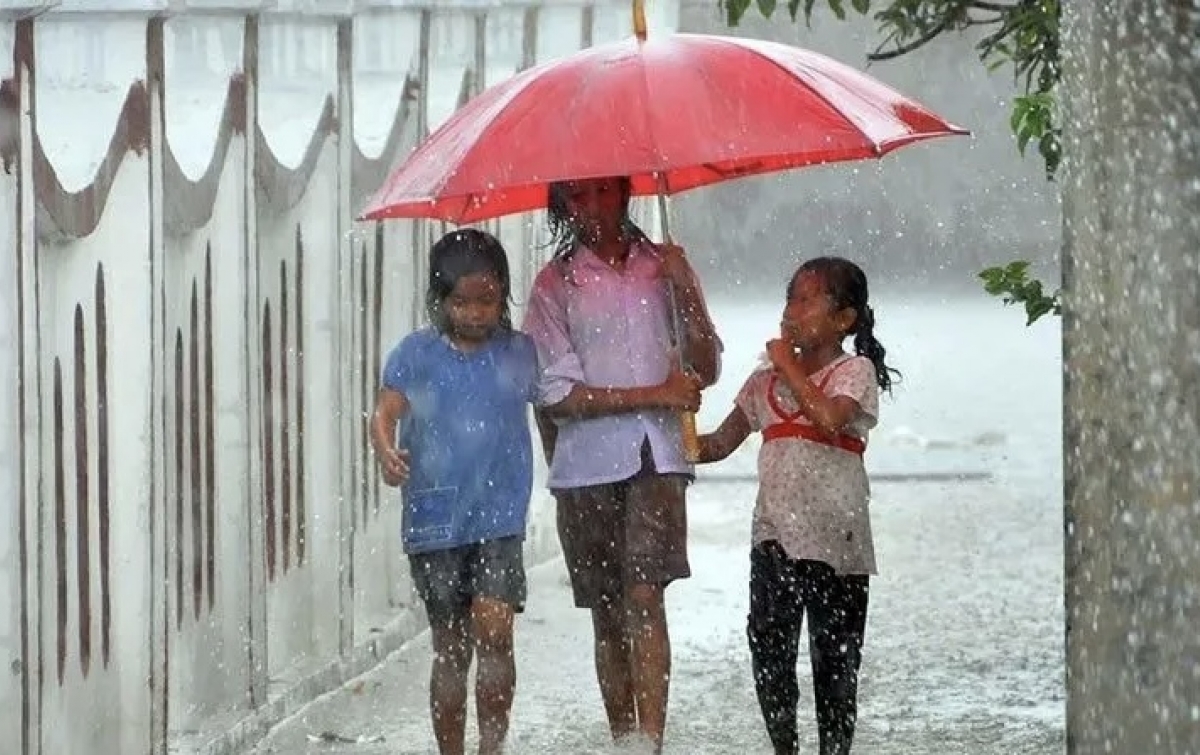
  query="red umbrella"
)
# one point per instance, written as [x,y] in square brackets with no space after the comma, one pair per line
[673,112]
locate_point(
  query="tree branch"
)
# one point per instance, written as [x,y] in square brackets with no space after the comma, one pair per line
[997,7]
[901,50]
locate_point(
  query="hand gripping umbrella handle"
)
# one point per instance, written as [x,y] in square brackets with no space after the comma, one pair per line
[687,420]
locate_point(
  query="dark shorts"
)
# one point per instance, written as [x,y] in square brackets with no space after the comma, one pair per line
[624,533]
[448,580]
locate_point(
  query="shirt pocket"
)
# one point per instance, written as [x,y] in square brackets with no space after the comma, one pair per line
[431,516]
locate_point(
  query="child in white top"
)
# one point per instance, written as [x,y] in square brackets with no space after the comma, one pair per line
[812,549]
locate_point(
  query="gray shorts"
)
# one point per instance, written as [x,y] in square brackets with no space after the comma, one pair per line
[623,533]
[448,580]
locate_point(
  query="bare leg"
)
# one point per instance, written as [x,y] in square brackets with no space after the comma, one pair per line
[496,673]
[612,668]
[646,619]
[448,685]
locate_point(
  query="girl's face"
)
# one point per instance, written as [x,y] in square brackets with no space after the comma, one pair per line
[596,207]
[810,320]
[474,308]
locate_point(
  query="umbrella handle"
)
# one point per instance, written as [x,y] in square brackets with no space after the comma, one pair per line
[639,19]
[691,437]
[687,420]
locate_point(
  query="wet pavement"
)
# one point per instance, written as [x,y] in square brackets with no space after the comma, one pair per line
[963,650]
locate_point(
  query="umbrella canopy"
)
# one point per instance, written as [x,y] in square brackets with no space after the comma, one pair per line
[673,113]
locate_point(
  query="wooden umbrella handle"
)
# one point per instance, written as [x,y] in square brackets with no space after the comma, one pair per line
[691,438]
[639,19]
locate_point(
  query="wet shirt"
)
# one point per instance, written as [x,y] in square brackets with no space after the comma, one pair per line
[606,328]
[812,497]
[467,431]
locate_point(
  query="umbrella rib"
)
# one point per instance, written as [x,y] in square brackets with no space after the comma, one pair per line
[515,87]
[662,175]
[875,146]
[589,74]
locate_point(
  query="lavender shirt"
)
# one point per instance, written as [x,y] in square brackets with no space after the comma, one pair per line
[607,328]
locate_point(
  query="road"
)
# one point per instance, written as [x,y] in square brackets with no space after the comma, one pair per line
[963,651]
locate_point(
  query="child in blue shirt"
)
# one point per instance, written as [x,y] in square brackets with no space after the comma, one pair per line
[451,429]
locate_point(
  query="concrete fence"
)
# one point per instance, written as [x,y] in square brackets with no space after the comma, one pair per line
[194,540]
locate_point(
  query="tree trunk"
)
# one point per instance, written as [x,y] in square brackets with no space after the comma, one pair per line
[1131,342]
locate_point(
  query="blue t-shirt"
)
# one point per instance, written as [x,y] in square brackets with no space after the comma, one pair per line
[467,433]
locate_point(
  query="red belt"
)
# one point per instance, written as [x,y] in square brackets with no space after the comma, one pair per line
[808,432]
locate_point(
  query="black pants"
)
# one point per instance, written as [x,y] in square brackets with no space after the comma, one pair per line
[781,591]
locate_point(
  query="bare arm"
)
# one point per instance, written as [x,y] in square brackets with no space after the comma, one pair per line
[390,406]
[726,439]
[678,392]
[547,431]
[700,343]
[562,386]
[832,415]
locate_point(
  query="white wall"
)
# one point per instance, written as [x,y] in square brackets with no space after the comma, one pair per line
[204,325]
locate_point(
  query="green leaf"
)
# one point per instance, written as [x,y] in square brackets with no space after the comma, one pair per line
[1013,285]
[1050,148]
[1018,115]
[794,10]
[734,10]
[862,6]
[766,7]
[1022,141]
[993,280]
[1035,309]
[838,9]
[1017,269]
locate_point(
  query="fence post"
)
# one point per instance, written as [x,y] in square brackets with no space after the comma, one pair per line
[157,625]
[256,639]
[350,424]
[419,227]
[29,365]
[20,603]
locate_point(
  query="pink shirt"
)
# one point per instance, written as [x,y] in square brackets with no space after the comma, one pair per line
[607,328]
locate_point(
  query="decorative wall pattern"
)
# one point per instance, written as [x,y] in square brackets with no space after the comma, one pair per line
[196,333]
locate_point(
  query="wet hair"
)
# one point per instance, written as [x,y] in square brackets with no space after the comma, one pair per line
[455,256]
[564,235]
[846,285]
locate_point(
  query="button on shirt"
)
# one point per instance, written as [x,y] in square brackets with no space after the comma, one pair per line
[602,327]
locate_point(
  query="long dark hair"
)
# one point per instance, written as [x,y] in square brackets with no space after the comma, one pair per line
[846,285]
[460,253]
[564,233]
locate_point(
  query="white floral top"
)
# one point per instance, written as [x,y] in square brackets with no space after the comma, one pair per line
[813,497]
